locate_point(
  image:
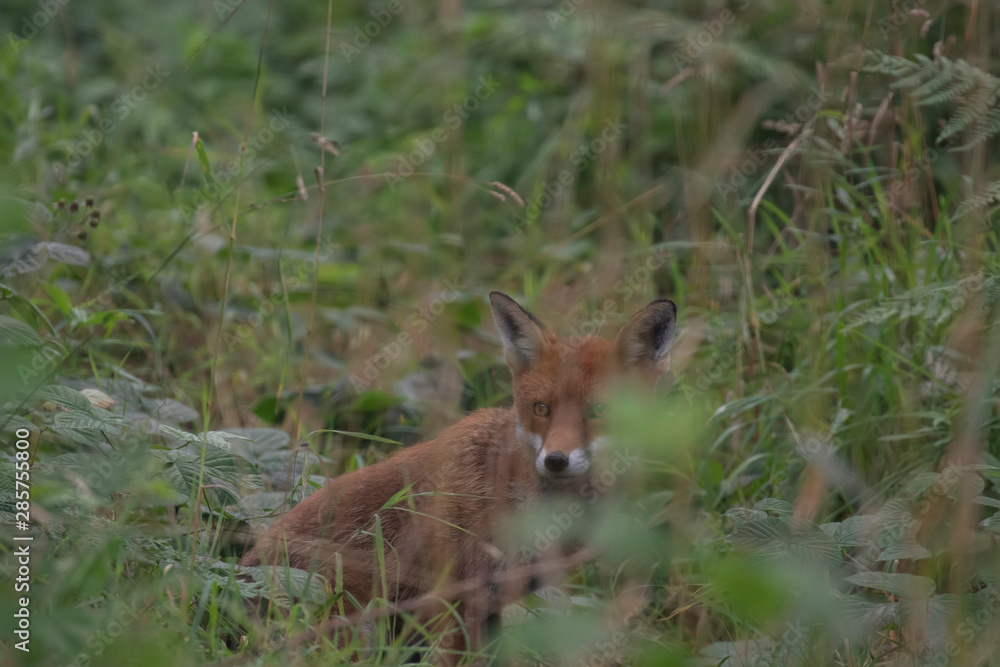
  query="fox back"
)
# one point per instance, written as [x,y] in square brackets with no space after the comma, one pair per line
[440,508]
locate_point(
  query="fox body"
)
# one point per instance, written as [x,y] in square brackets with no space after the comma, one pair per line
[440,507]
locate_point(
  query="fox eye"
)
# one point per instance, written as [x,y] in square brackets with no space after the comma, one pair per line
[541,410]
[595,411]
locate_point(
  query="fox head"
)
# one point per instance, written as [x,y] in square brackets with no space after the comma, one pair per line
[559,382]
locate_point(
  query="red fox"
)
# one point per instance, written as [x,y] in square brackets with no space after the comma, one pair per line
[440,506]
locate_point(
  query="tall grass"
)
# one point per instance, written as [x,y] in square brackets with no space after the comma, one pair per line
[817,479]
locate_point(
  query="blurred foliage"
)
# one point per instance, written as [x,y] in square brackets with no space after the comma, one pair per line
[245,246]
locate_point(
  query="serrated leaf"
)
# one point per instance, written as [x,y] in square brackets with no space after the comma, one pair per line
[773,539]
[264,439]
[178,434]
[63,397]
[741,515]
[898,584]
[67,254]
[17,422]
[894,513]
[920,483]
[864,614]
[286,584]
[23,259]
[830,528]
[15,333]
[907,549]
[857,531]
[92,421]
[782,508]
[265,502]
[169,410]
[221,472]
[968,484]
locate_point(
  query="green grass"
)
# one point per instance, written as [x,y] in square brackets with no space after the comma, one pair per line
[818,477]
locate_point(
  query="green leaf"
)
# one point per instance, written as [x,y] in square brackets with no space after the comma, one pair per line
[288,583]
[177,433]
[898,584]
[907,549]
[782,508]
[986,501]
[219,439]
[919,484]
[863,615]
[857,531]
[267,409]
[773,539]
[968,484]
[96,420]
[64,397]
[222,476]
[15,333]
[59,298]
[17,422]
[741,515]
[263,438]
[169,410]
[206,168]
[67,254]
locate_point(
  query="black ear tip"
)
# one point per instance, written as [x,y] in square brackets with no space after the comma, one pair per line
[496,295]
[666,302]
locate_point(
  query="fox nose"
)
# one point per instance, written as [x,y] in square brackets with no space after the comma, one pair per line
[556,462]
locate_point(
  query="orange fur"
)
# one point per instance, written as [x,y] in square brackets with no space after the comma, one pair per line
[466,482]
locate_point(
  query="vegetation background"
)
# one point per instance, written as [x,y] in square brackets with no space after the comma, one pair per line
[190,330]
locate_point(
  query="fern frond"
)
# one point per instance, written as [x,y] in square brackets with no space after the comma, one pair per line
[988,201]
[975,93]
[971,112]
[955,88]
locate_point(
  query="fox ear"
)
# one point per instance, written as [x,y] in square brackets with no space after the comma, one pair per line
[521,333]
[645,339]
